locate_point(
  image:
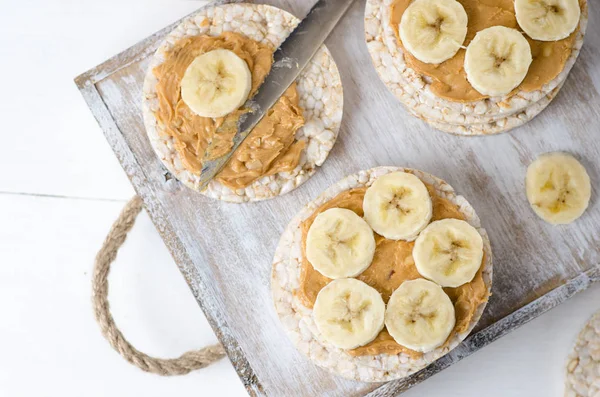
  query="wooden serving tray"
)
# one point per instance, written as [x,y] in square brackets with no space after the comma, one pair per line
[225,250]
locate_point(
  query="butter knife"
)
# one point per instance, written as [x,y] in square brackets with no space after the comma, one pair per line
[288,62]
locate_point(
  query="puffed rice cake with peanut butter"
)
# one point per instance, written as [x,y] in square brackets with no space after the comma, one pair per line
[319,88]
[297,319]
[482,117]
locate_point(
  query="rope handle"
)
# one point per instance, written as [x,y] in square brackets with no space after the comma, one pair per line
[182,365]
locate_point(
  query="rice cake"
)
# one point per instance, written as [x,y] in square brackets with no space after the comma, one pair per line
[413,90]
[583,364]
[319,87]
[297,320]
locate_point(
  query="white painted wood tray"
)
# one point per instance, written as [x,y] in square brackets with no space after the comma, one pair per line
[225,250]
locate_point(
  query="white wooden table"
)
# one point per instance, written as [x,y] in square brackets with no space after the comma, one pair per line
[61,189]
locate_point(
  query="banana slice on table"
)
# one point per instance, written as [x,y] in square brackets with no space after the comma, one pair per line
[340,243]
[497,60]
[216,83]
[558,188]
[419,315]
[433,30]
[449,252]
[398,206]
[349,313]
[548,20]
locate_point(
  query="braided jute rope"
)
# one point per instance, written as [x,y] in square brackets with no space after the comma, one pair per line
[182,365]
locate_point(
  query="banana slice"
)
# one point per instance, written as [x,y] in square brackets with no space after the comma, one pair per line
[433,30]
[449,252]
[340,243]
[419,315]
[558,188]
[349,313]
[216,83]
[398,206]
[548,20]
[497,60]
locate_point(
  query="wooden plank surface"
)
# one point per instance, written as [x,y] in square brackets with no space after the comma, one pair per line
[225,250]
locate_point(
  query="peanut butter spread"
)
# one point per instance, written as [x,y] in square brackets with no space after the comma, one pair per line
[449,80]
[392,265]
[270,148]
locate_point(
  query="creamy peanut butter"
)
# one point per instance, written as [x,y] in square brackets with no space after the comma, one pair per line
[449,80]
[392,265]
[270,148]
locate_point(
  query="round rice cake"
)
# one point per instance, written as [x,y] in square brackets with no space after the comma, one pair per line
[583,364]
[413,90]
[319,87]
[297,319]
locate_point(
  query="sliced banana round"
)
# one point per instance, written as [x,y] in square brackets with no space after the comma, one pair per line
[548,20]
[216,83]
[419,315]
[433,30]
[449,252]
[340,243]
[398,206]
[558,188]
[349,313]
[497,60]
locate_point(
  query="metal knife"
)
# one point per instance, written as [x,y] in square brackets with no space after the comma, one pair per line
[288,62]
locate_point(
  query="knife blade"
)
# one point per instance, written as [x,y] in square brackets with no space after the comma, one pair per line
[289,60]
